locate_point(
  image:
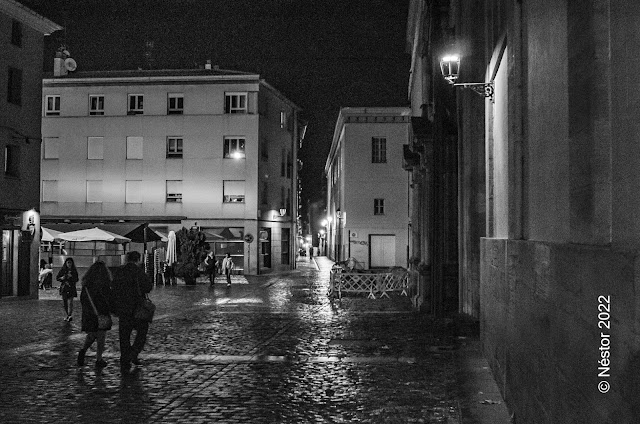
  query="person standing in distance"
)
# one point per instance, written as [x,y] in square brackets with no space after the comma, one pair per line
[68,277]
[130,284]
[227,268]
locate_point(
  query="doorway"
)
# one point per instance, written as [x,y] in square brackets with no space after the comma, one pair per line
[382,253]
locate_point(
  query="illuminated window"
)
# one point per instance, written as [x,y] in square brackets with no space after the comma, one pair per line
[234,147]
[134,147]
[52,106]
[96,104]
[174,191]
[136,104]
[51,147]
[94,191]
[235,103]
[174,147]
[175,104]
[133,191]
[95,148]
[233,191]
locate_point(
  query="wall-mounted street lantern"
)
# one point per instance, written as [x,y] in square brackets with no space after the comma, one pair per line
[450,68]
[283,211]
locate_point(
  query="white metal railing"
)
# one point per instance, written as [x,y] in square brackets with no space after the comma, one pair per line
[374,284]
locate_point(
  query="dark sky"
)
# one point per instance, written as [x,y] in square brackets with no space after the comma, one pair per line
[321,54]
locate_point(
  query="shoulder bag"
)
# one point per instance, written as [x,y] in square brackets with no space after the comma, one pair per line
[104,321]
[146,309]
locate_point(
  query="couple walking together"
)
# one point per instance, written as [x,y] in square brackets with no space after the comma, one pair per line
[122,296]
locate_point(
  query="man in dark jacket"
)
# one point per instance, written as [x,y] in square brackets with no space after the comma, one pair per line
[130,284]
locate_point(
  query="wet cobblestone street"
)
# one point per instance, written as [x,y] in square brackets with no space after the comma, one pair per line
[270,349]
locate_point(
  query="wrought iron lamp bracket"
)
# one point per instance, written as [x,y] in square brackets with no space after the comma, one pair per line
[482,88]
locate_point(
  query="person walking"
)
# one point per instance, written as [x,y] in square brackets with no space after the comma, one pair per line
[227,268]
[211,267]
[129,286]
[94,298]
[68,277]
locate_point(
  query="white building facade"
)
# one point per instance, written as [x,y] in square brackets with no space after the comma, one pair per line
[208,148]
[367,201]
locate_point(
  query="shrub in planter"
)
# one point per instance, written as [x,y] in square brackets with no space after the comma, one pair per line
[192,248]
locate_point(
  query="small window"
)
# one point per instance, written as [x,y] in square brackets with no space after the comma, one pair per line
[378,206]
[234,147]
[51,147]
[16,33]
[14,86]
[12,161]
[174,191]
[49,190]
[134,147]
[235,103]
[175,104]
[94,191]
[136,104]
[96,105]
[283,165]
[52,106]
[174,147]
[378,150]
[133,191]
[283,119]
[95,148]
[233,191]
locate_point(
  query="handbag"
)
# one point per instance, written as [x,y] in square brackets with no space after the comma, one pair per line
[146,309]
[104,321]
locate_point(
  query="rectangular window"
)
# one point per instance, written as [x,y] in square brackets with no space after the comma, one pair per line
[52,106]
[233,191]
[133,191]
[16,33]
[289,165]
[96,105]
[174,147]
[49,190]
[95,147]
[134,147]
[282,163]
[136,104]
[12,161]
[378,150]
[286,246]
[94,191]
[14,86]
[378,206]
[234,147]
[174,191]
[283,119]
[175,104]
[235,102]
[51,147]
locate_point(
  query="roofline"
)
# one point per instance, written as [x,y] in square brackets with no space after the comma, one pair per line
[23,14]
[280,95]
[146,79]
[370,111]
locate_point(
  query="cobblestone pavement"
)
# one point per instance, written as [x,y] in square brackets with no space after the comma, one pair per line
[270,349]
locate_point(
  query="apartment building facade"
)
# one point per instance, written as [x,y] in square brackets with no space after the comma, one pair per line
[21,52]
[206,148]
[367,188]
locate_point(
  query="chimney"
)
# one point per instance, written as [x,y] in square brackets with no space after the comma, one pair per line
[208,64]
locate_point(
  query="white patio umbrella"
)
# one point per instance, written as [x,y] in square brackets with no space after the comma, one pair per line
[171,248]
[94,234]
[49,235]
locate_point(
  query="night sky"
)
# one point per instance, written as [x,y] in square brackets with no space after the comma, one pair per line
[321,54]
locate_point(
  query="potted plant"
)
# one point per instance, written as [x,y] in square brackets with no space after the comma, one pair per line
[192,248]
